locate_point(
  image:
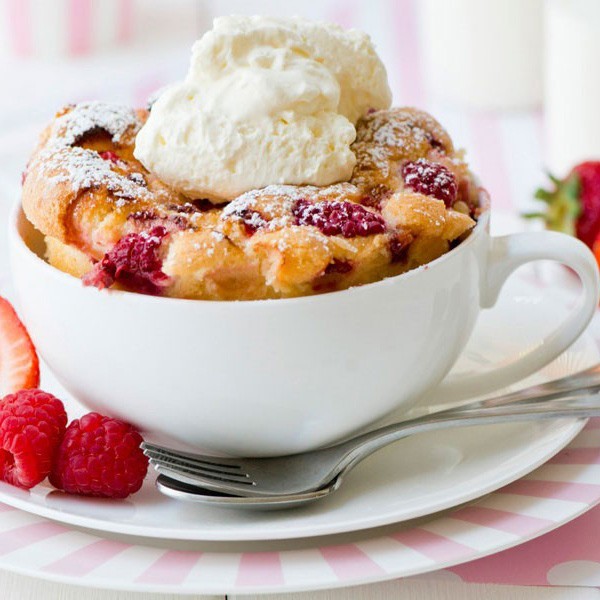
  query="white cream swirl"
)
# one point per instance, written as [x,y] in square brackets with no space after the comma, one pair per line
[266,101]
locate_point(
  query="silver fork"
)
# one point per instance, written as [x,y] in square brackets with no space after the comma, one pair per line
[311,471]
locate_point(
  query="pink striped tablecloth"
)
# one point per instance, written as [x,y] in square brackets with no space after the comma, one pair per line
[570,555]
[64,27]
[505,150]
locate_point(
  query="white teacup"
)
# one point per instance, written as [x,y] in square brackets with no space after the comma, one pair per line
[282,376]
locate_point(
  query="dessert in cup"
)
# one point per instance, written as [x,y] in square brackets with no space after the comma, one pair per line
[270,257]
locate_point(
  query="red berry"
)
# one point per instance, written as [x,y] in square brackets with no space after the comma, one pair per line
[596,249]
[100,456]
[252,220]
[19,364]
[32,424]
[399,245]
[111,156]
[339,266]
[588,223]
[573,203]
[134,262]
[432,179]
[338,218]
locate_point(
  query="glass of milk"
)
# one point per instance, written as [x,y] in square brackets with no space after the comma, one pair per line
[484,54]
[572,83]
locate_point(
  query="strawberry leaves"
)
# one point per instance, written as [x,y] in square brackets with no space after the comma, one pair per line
[563,206]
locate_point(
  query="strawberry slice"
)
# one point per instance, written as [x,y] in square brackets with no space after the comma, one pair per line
[19,364]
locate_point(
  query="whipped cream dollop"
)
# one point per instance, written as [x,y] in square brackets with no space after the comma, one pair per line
[266,101]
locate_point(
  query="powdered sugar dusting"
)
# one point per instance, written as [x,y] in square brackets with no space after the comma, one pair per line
[85,169]
[288,239]
[391,135]
[64,162]
[270,208]
[87,117]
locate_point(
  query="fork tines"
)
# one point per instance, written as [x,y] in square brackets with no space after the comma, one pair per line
[202,466]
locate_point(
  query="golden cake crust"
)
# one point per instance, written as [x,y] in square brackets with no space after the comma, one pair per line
[99,207]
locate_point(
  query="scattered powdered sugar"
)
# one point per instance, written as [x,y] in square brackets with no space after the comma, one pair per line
[425,170]
[288,240]
[86,169]
[279,194]
[62,161]
[86,117]
[268,208]
[386,134]
[255,221]
[206,247]
[137,178]
[428,215]
[271,208]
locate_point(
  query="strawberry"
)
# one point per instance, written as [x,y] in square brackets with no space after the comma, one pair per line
[573,205]
[596,249]
[19,365]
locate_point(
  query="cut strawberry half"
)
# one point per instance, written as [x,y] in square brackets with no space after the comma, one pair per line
[19,365]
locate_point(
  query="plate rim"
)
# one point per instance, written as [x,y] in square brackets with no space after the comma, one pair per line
[315,585]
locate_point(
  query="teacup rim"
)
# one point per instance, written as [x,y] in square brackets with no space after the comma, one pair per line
[16,239]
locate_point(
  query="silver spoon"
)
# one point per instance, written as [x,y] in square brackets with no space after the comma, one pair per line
[193,493]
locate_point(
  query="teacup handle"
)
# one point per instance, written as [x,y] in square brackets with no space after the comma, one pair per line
[506,253]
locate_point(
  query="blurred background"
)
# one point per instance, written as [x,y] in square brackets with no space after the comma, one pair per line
[516,82]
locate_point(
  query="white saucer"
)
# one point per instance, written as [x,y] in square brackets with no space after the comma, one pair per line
[410,479]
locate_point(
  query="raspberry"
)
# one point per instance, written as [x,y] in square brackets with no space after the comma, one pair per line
[338,218]
[32,424]
[430,178]
[111,156]
[100,456]
[339,266]
[399,246]
[134,261]
[252,220]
